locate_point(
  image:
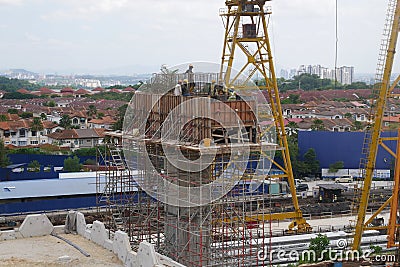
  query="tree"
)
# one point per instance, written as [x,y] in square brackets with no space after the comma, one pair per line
[292,99]
[318,125]
[72,164]
[100,115]
[291,128]
[12,111]
[34,166]
[43,116]
[319,245]
[65,121]
[26,115]
[120,121]
[4,159]
[37,126]
[348,115]
[334,167]
[50,103]
[357,125]
[3,117]
[310,159]
[91,111]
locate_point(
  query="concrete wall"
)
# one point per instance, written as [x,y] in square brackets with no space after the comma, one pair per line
[40,225]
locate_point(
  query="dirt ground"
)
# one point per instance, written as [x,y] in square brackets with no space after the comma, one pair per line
[46,250]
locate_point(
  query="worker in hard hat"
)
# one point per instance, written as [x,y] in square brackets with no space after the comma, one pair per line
[184,87]
[212,88]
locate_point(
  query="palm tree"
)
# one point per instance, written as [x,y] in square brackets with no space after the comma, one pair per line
[318,125]
[92,111]
[291,128]
[65,121]
[37,126]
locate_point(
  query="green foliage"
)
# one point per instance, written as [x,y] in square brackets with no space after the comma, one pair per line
[126,97]
[334,167]
[85,152]
[311,162]
[3,117]
[319,244]
[12,111]
[18,95]
[72,164]
[4,159]
[89,162]
[120,121]
[26,115]
[292,99]
[318,125]
[92,110]
[65,121]
[376,249]
[28,151]
[12,85]
[357,125]
[34,166]
[313,82]
[50,103]
[37,124]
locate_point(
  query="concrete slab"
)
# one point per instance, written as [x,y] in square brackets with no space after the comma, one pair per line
[80,223]
[88,231]
[131,259]
[98,233]
[108,244]
[121,245]
[58,229]
[36,225]
[146,255]
[10,235]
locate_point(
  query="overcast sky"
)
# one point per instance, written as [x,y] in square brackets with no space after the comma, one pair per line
[137,36]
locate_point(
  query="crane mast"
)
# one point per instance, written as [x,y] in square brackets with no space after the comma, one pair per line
[246,35]
[373,137]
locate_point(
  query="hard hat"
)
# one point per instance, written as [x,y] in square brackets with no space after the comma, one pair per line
[190,65]
[213,81]
[185,80]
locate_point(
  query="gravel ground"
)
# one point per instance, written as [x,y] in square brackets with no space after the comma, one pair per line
[46,250]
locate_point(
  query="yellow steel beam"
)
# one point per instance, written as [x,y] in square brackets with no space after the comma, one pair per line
[384,205]
[394,205]
[376,130]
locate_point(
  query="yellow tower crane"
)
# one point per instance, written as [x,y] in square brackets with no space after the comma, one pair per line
[246,35]
[373,138]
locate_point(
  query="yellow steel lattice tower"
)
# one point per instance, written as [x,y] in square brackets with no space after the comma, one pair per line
[246,39]
[373,139]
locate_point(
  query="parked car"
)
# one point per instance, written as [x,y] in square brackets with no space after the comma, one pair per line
[302,187]
[344,179]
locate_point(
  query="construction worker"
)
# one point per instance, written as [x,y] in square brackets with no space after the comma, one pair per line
[212,88]
[178,88]
[190,77]
[184,88]
[231,93]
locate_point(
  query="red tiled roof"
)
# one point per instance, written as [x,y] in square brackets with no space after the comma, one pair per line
[82,91]
[45,90]
[65,134]
[98,89]
[67,90]
[128,89]
[23,91]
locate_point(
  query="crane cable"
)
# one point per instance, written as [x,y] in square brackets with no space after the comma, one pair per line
[336,40]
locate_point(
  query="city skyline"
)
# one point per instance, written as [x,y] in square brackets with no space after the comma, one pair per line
[126,37]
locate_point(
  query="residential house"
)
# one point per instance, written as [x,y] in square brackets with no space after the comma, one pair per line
[104,123]
[77,138]
[19,133]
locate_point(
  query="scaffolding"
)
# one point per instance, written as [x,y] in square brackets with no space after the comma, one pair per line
[200,164]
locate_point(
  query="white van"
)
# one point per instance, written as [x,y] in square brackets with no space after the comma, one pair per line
[344,179]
